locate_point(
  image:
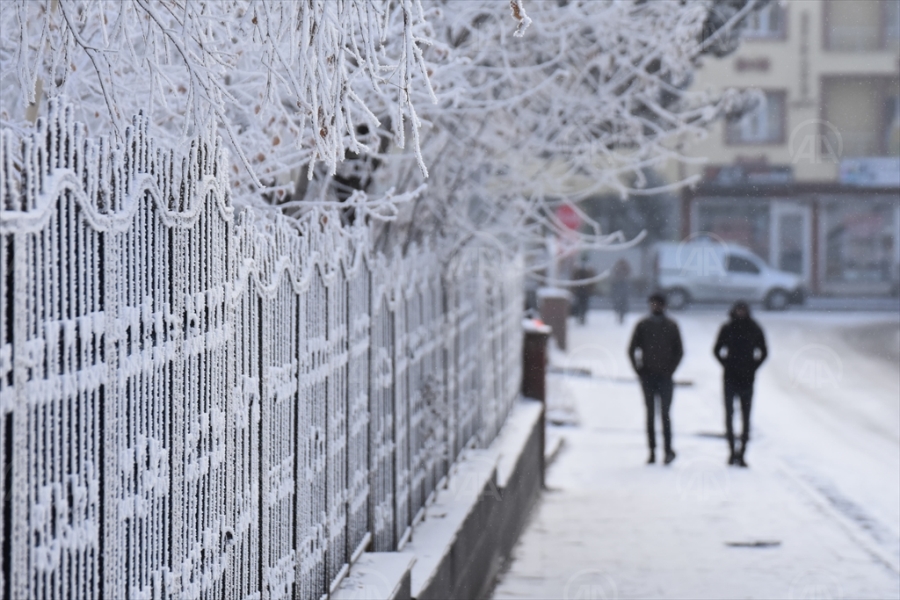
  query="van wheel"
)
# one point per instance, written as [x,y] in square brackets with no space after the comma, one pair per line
[677,298]
[777,300]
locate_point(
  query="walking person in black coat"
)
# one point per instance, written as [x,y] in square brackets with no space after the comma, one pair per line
[741,348]
[655,352]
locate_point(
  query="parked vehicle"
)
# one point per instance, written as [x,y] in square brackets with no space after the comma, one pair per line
[707,270]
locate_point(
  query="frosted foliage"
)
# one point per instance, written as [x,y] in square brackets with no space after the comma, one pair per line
[506,104]
[289,82]
[231,427]
[583,102]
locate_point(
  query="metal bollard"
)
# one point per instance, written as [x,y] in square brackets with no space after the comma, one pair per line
[553,304]
[534,359]
[534,372]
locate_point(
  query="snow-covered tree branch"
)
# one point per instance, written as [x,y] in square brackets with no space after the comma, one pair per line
[511,107]
[591,97]
[288,83]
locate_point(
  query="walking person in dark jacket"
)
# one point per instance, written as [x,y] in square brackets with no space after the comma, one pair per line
[655,352]
[741,348]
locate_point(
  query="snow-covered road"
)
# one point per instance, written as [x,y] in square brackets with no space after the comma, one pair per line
[817,514]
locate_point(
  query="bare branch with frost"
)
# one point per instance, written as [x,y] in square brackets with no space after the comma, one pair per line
[289,82]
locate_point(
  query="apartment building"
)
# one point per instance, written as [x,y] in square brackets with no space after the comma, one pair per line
[810,179]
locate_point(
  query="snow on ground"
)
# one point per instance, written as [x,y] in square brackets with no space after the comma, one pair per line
[817,514]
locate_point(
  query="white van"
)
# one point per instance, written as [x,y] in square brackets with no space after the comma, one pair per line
[709,270]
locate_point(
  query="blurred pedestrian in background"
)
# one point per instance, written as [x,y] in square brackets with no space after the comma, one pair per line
[621,271]
[583,291]
[741,348]
[655,352]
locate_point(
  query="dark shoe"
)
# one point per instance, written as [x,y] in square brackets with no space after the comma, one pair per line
[741,462]
[670,456]
[652,458]
[732,459]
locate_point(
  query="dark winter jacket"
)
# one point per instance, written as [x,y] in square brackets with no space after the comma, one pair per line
[660,342]
[744,348]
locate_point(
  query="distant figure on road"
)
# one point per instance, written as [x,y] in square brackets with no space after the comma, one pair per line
[619,288]
[583,291]
[741,348]
[655,352]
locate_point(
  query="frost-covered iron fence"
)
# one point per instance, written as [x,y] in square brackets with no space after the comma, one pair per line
[197,403]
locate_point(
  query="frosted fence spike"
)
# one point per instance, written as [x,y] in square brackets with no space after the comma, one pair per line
[226,406]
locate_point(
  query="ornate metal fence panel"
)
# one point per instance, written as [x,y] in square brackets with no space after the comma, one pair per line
[243,449]
[358,418]
[200,405]
[465,321]
[336,419]
[434,425]
[56,381]
[381,420]
[511,352]
[401,416]
[416,331]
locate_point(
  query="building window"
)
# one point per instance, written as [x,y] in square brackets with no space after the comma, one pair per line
[862,26]
[762,125]
[859,241]
[892,25]
[734,220]
[892,134]
[862,116]
[768,23]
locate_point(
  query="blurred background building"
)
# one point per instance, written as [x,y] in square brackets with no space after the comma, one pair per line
[809,180]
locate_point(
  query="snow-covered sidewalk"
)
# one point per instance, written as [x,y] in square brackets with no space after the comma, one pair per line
[815,516]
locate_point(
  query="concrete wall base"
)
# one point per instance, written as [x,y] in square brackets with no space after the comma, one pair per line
[378,575]
[470,529]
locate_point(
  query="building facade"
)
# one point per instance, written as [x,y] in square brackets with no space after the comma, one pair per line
[809,179]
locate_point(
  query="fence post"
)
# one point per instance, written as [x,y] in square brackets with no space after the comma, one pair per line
[553,304]
[534,359]
[534,371]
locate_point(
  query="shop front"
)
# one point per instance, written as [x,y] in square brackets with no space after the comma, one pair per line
[842,240]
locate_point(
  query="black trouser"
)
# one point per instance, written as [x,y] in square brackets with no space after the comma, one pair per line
[582,301]
[658,386]
[743,391]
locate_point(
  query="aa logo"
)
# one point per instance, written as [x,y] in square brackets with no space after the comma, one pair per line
[595,360]
[701,255]
[816,585]
[816,367]
[590,585]
[815,141]
[472,485]
[366,584]
[703,481]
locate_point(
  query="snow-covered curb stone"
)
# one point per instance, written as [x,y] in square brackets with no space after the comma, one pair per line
[383,575]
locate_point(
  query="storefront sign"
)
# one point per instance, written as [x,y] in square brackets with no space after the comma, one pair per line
[871,172]
[748,174]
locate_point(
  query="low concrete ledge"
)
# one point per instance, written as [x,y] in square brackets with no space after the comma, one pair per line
[378,576]
[470,529]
